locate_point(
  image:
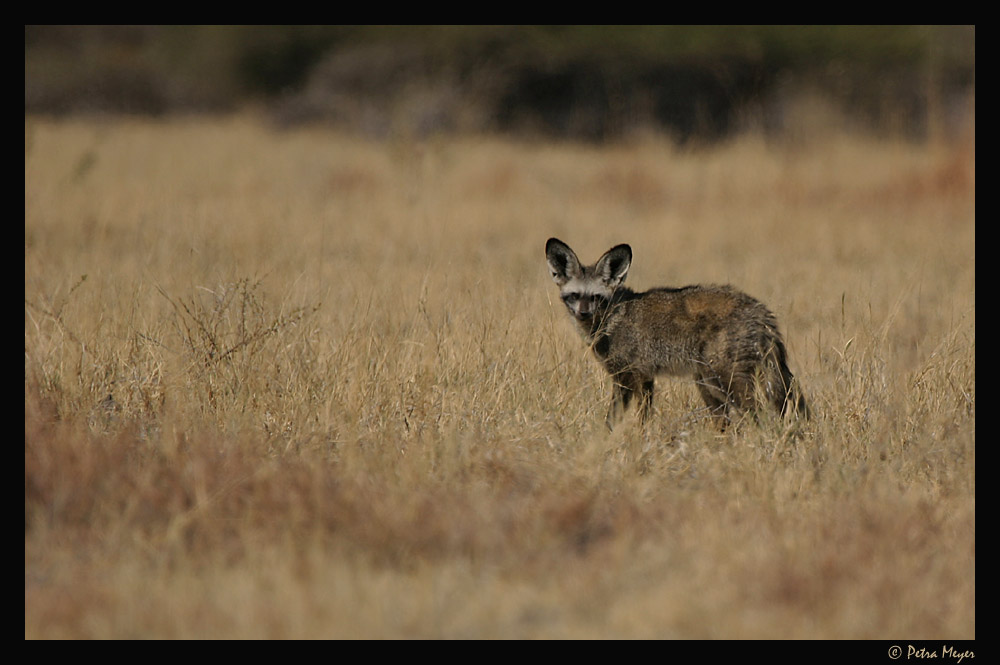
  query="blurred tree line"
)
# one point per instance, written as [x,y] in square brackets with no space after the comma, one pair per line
[584,82]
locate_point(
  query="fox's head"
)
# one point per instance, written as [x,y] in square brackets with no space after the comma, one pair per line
[586,290]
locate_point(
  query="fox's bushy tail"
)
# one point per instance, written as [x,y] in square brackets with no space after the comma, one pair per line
[782,388]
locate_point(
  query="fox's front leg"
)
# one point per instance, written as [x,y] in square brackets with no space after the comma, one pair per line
[623,388]
[645,400]
[621,395]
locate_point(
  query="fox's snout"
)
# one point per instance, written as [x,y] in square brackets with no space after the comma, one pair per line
[582,307]
[585,310]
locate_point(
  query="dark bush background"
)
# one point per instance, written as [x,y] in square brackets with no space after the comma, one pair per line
[580,82]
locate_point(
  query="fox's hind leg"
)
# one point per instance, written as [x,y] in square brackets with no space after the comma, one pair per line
[715,396]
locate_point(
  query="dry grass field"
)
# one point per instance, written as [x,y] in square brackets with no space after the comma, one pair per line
[302,385]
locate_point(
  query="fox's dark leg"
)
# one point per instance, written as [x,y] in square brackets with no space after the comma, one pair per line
[621,395]
[714,395]
[624,386]
[743,390]
[645,400]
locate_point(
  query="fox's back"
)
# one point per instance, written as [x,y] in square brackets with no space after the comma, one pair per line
[680,330]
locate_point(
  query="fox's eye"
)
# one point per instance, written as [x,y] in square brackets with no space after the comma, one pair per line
[571,297]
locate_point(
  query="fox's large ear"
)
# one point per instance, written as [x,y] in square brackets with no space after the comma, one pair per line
[563,264]
[613,266]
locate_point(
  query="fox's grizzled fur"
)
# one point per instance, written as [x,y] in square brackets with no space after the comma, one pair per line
[728,341]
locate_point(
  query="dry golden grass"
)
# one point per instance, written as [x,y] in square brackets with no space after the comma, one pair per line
[289,385]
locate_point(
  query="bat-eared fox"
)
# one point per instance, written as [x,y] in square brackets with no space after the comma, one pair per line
[728,341]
